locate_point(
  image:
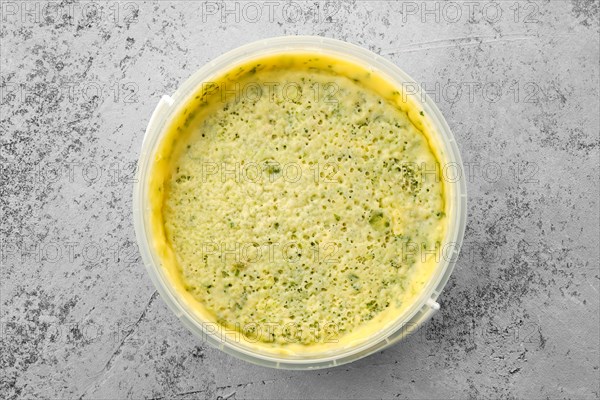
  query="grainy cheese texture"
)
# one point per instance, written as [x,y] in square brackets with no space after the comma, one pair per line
[302,206]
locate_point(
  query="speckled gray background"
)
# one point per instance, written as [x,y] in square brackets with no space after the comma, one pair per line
[518,84]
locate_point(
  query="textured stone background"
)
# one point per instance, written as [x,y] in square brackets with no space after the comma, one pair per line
[81,319]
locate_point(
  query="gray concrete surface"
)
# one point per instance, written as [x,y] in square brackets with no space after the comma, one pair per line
[518,84]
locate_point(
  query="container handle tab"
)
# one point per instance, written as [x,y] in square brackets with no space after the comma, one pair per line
[162,108]
[434,305]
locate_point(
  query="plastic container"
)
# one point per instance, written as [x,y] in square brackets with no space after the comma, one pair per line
[455,189]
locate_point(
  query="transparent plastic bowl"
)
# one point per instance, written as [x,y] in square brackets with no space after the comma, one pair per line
[455,190]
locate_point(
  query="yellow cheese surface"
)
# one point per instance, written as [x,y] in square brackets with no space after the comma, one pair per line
[297,201]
